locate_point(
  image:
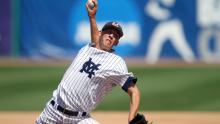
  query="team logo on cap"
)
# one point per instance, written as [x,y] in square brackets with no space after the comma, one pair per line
[115,24]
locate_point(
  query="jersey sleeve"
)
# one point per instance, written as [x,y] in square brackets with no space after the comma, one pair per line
[120,75]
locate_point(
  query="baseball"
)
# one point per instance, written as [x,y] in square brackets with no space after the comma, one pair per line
[91,4]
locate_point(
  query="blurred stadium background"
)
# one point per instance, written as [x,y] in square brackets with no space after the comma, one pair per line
[172,46]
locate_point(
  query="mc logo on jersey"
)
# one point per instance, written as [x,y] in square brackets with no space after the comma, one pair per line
[90,67]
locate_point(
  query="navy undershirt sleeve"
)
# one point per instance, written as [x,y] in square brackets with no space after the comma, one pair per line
[128,83]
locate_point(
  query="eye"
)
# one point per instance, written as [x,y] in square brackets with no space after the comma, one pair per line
[116,35]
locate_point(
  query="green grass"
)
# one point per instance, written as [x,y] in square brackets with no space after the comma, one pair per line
[166,88]
[27,88]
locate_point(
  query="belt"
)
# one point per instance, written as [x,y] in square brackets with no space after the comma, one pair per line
[65,111]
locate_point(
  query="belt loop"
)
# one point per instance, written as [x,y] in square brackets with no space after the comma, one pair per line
[55,105]
[64,111]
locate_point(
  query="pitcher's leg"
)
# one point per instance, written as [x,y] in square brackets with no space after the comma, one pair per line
[49,116]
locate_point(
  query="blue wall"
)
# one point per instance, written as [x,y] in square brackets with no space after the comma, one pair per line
[154,29]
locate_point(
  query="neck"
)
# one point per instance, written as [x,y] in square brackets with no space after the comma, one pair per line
[102,48]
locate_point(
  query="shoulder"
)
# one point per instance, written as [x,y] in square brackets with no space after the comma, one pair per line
[120,60]
[120,63]
[115,58]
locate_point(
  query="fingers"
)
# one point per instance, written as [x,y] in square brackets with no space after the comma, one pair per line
[95,2]
[92,11]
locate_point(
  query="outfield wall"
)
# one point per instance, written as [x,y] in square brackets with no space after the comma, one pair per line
[187,30]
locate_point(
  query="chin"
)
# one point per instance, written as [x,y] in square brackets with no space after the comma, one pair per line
[106,48]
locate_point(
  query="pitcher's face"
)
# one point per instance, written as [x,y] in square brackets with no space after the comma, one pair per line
[109,38]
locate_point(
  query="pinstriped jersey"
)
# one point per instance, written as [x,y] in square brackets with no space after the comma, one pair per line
[91,75]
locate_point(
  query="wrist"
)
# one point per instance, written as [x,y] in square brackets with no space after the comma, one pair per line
[92,17]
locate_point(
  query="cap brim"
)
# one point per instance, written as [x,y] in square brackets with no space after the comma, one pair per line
[114,28]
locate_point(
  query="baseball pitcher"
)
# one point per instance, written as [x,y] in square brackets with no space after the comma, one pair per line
[94,72]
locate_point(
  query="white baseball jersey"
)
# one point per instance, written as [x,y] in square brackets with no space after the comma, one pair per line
[92,74]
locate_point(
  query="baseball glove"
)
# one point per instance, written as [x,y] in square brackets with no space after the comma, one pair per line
[139,119]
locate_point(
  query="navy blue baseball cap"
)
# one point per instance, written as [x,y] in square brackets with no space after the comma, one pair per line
[115,26]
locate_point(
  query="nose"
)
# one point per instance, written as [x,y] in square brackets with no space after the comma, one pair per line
[110,36]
